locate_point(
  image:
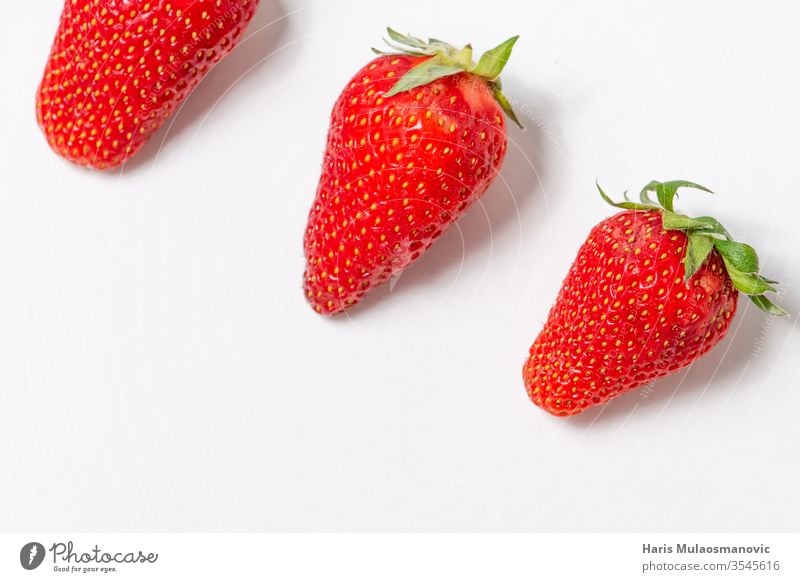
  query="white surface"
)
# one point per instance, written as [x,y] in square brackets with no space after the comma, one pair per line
[160,369]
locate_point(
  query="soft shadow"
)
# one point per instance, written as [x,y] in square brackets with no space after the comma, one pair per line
[529,160]
[725,360]
[235,72]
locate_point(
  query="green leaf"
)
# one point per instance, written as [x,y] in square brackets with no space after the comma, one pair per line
[705,234]
[406,44]
[463,58]
[644,196]
[713,226]
[704,224]
[741,262]
[627,205]
[742,256]
[447,60]
[443,70]
[673,221]
[404,50]
[697,250]
[666,191]
[504,104]
[424,73]
[665,196]
[493,61]
[404,39]
[765,304]
[748,283]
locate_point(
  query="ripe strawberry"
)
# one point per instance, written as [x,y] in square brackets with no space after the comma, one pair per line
[649,292]
[118,69]
[415,139]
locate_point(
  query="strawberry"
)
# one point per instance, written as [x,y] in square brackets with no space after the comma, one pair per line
[415,138]
[650,291]
[119,68]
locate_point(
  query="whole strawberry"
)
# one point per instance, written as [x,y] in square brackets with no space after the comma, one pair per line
[119,68]
[415,139]
[650,291]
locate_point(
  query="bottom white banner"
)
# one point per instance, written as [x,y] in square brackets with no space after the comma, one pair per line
[399,557]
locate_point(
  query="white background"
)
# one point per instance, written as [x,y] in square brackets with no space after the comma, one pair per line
[160,370]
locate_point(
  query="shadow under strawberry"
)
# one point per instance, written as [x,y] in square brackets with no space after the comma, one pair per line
[241,68]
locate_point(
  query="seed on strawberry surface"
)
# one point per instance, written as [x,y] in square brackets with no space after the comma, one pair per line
[117,70]
[650,291]
[415,138]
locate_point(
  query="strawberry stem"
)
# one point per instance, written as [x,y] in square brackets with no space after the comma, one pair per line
[446,60]
[704,234]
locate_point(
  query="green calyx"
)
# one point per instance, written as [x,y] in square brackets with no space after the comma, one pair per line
[446,60]
[705,234]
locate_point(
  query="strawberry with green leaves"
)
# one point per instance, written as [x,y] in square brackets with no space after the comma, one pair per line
[650,291]
[415,138]
[118,69]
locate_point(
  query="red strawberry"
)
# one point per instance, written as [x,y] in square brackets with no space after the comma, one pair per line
[649,292]
[119,68]
[415,139]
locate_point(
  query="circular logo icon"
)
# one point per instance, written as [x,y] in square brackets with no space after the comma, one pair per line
[31,555]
